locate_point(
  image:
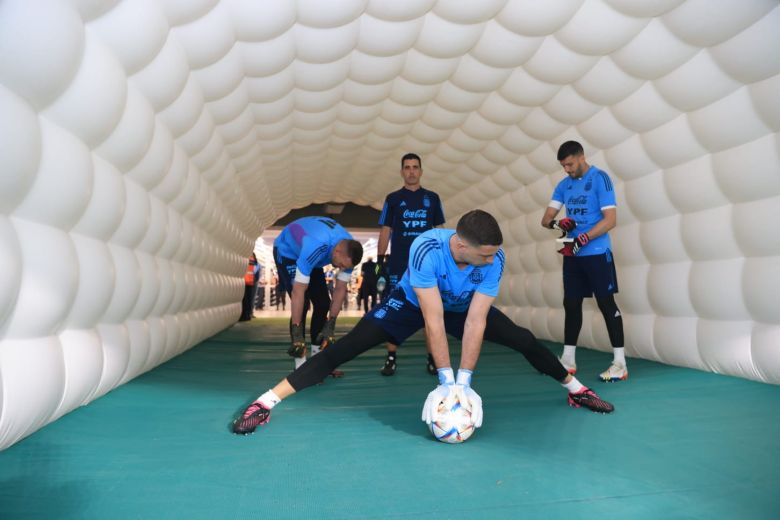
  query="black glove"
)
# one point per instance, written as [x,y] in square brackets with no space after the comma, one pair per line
[298,343]
[380,264]
[573,247]
[565,224]
[326,337]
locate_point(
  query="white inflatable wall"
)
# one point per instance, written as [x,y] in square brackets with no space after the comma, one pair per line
[146,143]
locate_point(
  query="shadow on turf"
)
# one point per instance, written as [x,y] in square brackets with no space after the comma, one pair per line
[41,494]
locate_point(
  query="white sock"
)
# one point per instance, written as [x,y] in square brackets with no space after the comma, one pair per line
[269,399]
[315,349]
[299,361]
[573,386]
[568,354]
[619,356]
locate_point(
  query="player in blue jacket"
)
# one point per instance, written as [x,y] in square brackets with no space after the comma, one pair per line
[588,265]
[449,288]
[301,250]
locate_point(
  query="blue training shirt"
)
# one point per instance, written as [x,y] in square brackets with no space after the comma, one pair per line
[310,241]
[585,198]
[409,214]
[431,265]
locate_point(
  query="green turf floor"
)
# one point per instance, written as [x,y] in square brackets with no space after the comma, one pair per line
[681,444]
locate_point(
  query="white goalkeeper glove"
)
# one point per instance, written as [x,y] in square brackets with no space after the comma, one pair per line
[466,393]
[437,395]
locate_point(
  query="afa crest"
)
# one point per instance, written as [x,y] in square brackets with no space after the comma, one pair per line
[476,276]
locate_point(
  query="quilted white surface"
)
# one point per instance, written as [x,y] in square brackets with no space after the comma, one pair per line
[146,143]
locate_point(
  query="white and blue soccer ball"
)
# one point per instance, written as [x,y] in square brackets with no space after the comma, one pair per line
[452,421]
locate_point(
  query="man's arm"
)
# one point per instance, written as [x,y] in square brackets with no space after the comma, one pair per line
[433,314]
[339,293]
[549,215]
[296,302]
[474,330]
[384,241]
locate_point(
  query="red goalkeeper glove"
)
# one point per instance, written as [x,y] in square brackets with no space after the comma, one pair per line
[565,224]
[573,248]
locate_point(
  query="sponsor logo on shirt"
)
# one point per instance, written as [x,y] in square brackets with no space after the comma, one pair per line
[460,301]
[415,222]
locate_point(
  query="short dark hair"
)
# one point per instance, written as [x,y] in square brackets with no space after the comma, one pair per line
[410,156]
[570,148]
[479,228]
[355,251]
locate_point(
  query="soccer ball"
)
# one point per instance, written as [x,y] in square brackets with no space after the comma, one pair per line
[452,420]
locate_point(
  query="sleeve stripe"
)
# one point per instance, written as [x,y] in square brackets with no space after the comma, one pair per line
[501,261]
[383,216]
[607,181]
[422,251]
[317,254]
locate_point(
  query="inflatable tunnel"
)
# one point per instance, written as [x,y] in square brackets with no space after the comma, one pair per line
[145,144]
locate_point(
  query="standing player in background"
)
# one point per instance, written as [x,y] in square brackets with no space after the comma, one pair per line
[301,250]
[449,288]
[588,266]
[368,285]
[250,286]
[407,214]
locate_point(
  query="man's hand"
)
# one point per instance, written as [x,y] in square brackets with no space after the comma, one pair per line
[573,248]
[298,343]
[565,224]
[380,264]
[431,405]
[467,394]
[438,394]
[326,337]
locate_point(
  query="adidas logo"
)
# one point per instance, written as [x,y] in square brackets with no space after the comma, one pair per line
[617,314]
[403,203]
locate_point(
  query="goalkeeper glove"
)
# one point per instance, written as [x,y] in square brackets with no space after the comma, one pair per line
[463,386]
[438,394]
[466,394]
[565,224]
[326,337]
[573,248]
[380,264]
[298,344]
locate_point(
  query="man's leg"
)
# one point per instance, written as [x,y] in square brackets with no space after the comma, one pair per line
[571,331]
[602,279]
[317,293]
[392,349]
[365,335]
[390,360]
[500,329]
[618,370]
[246,303]
[576,287]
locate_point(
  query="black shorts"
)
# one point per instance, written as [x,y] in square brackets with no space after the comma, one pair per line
[586,276]
[286,269]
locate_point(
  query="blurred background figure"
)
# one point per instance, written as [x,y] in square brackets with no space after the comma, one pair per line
[250,285]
